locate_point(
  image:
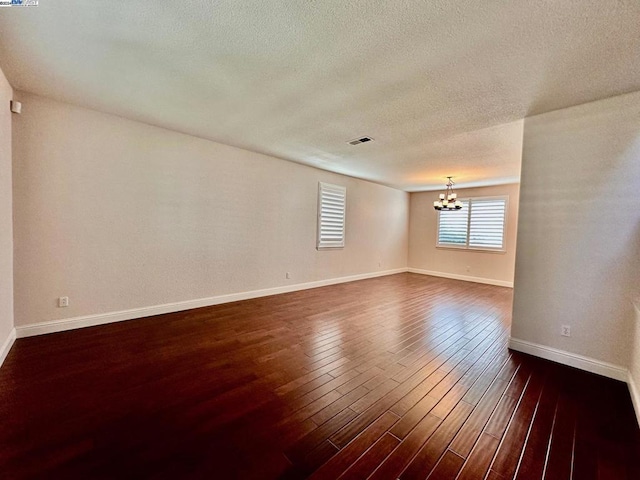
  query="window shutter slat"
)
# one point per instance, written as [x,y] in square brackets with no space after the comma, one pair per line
[331,215]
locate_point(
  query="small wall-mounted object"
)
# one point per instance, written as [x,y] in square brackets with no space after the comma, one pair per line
[360,140]
[16,107]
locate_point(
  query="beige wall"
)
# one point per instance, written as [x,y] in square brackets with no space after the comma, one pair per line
[6,224]
[117,215]
[578,258]
[424,255]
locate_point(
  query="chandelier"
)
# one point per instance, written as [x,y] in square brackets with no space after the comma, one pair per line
[449,199]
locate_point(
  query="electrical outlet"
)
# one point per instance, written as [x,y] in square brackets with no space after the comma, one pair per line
[566,331]
[288,275]
[468,268]
[380,263]
[63,301]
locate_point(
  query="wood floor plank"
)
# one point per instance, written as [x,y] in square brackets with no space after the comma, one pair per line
[514,439]
[349,454]
[536,449]
[311,461]
[479,460]
[413,416]
[412,398]
[560,455]
[371,458]
[311,440]
[401,456]
[343,402]
[448,467]
[468,434]
[430,453]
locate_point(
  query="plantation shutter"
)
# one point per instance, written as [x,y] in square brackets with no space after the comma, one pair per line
[452,226]
[486,226]
[332,203]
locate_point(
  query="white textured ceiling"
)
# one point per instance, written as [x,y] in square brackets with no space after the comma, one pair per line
[441,85]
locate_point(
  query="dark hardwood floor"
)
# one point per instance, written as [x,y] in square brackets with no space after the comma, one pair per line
[405,376]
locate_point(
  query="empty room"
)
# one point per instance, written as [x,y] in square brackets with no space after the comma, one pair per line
[333,239]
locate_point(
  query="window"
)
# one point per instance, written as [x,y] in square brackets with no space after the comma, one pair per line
[478,225]
[332,208]
[453,226]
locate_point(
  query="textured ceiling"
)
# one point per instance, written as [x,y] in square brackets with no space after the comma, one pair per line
[441,85]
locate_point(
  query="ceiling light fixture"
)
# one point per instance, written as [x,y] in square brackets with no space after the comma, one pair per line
[449,199]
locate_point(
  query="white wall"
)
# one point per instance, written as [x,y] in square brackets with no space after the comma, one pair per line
[483,266]
[6,224]
[117,215]
[578,254]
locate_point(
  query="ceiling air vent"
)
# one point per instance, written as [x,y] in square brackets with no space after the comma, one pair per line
[360,140]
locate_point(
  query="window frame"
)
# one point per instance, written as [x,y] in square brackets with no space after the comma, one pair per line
[466,247]
[333,245]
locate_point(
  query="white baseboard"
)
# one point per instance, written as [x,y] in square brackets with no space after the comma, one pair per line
[592,365]
[635,396]
[6,346]
[466,278]
[111,317]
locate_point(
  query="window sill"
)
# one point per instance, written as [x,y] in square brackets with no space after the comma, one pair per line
[471,249]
